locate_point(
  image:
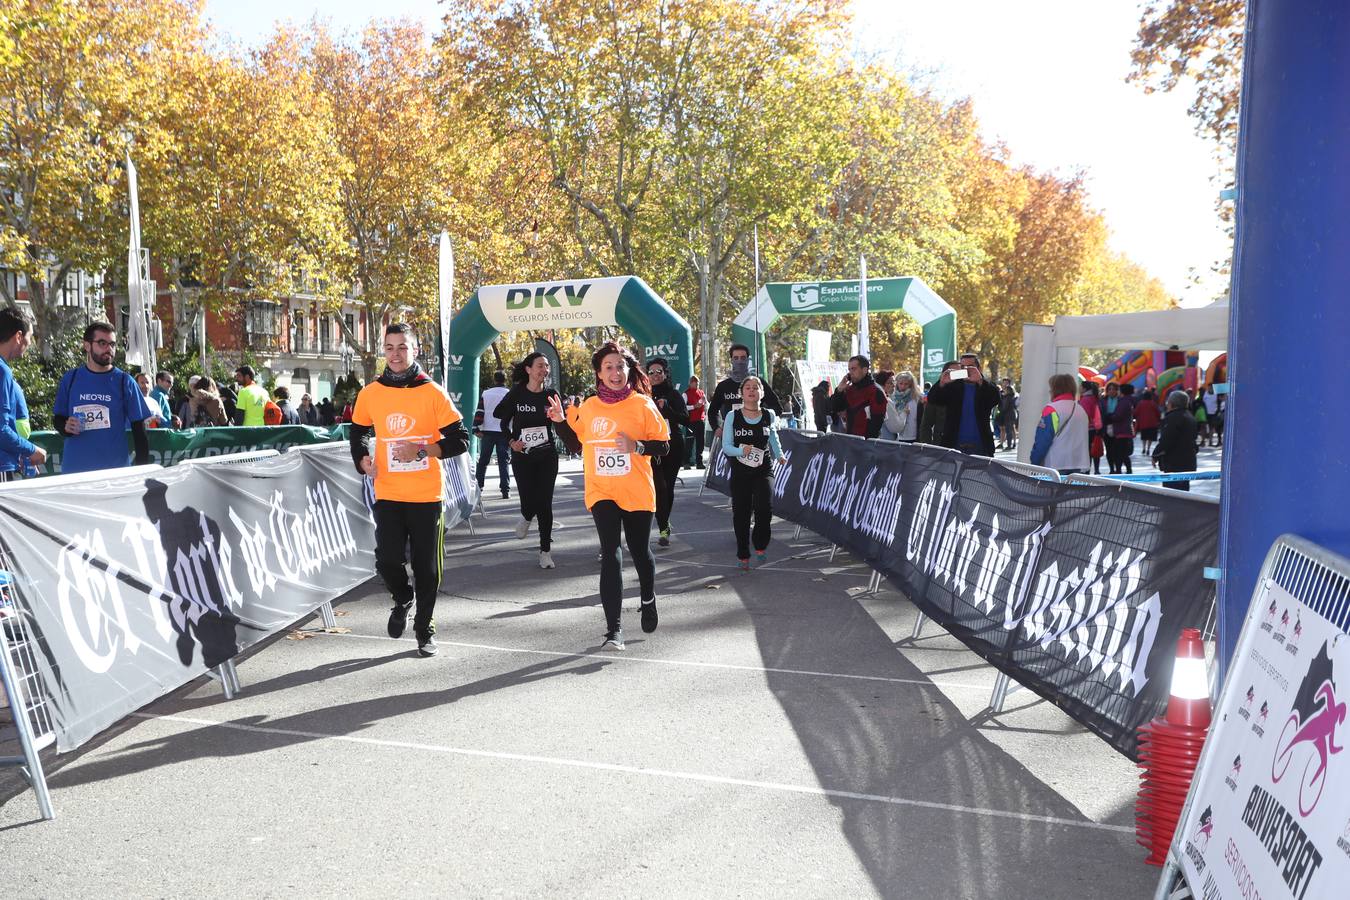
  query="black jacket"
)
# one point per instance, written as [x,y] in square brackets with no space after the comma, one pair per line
[1175,450]
[950,396]
[288,414]
[820,406]
[676,414]
[727,395]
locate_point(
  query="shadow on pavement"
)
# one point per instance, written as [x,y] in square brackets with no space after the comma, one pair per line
[913,743]
[340,720]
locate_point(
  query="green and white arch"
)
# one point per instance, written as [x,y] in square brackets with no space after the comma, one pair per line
[625,301]
[824,298]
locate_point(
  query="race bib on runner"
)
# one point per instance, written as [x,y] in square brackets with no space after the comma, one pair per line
[393,465]
[611,462]
[534,437]
[95,416]
[752,457]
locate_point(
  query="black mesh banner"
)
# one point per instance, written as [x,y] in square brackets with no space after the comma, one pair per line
[1077,592]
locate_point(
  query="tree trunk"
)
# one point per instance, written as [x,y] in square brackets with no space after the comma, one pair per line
[50,321]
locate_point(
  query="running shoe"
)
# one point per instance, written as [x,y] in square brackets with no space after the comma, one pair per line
[664,539]
[426,645]
[522,528]
[761,558]
[613,640]
[649,615]
[744,565]
[398,619]
[545,560]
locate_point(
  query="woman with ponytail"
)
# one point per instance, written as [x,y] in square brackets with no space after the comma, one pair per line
[523,413]
[619,432]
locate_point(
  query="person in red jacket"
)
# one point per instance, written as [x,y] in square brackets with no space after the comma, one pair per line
[697,402]
[859,400]
[1147,418]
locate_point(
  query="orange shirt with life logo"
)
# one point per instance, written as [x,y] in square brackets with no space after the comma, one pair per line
[413,414]
[625,478]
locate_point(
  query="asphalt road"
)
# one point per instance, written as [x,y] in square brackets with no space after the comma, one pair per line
[780,735]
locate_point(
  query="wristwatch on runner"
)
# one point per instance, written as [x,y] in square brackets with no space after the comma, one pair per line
[422,452]
[640,448]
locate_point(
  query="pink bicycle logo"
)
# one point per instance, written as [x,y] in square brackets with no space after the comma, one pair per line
[1313,722]
[1206,828]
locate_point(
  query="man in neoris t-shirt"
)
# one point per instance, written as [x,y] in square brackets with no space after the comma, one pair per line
[96,404]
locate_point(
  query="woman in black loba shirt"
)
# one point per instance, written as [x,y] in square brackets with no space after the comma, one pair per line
[534,459]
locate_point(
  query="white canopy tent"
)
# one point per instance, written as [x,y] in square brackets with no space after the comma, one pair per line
[1047,349]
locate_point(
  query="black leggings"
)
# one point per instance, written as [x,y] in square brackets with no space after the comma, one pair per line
[399,526]
[636,528]
[750,496]
[664,472]
[536,473]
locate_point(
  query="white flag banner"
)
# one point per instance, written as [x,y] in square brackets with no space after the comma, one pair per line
[864,345]
[817,345]
[447,283]
[139,352]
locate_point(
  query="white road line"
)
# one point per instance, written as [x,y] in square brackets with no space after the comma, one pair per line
[616,657]
[656,773]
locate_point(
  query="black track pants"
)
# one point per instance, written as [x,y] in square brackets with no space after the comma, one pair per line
[536,474]
[398,526]
[696,442]
[751,497]
[664,472]
[636,528]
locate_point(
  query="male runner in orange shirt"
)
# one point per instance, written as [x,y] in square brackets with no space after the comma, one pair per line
[413,424]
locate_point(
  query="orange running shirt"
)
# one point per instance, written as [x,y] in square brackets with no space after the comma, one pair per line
[414,414]
[625,478]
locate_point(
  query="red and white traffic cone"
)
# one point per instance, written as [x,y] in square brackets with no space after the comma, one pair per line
[1169,749]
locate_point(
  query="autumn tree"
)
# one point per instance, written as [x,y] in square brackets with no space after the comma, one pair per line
[759,136]
[1196,43]
[78,78]
[244,204]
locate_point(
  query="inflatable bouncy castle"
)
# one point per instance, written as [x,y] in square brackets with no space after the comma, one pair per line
[1147,368]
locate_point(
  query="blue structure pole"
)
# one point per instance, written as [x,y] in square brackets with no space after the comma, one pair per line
[1285,464]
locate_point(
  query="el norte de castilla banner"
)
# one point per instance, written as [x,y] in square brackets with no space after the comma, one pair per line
[1077,592]
[135,583]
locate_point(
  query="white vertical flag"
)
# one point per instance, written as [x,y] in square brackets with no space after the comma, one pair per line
[863,344]
[139,352]
[447,283]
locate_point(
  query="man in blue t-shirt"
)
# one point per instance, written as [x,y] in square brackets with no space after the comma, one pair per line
[18,455]
[95,406]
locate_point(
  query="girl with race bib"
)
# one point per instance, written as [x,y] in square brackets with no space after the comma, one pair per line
[751,441]
[523,413]
[620,431]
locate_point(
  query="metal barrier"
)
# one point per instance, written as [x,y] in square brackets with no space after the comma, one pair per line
[231,459]
[1004,686]
[26,696]
[1120,482]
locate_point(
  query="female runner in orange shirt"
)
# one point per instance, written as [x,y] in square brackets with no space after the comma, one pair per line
[619,431]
